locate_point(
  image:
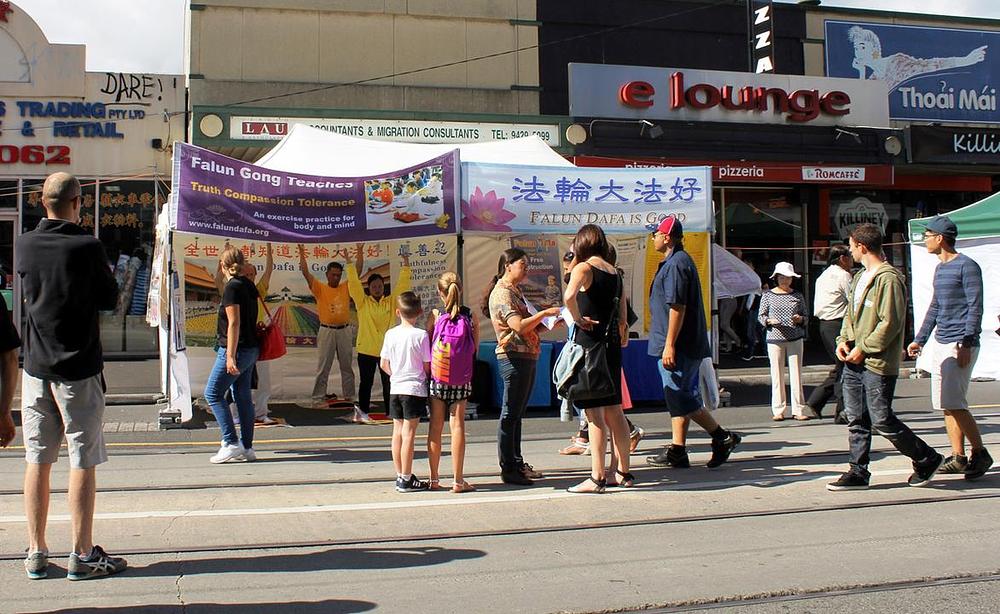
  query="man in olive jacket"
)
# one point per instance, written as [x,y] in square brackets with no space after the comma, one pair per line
[871,345]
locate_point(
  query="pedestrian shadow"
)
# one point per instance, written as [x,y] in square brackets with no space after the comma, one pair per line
[752,473]
[942,483]
[327,606]
[330,560]
[746,446]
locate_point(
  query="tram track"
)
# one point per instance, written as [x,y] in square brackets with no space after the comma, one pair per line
[557,528]
[793,596]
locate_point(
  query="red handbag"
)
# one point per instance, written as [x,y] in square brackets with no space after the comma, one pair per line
[270,338]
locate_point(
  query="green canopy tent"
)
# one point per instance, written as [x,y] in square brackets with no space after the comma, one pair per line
[979,238]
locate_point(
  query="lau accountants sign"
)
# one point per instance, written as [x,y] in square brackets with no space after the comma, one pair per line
[640,92]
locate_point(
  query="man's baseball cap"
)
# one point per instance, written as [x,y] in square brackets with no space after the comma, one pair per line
[669,226]
[943,226]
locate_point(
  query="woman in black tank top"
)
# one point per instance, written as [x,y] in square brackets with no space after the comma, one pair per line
[590,297]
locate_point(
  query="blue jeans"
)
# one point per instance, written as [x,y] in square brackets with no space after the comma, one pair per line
[681,390]
[518,375]
[215,391]
[868,406]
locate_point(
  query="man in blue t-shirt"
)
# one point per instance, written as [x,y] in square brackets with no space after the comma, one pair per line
[956,311]
[678,338]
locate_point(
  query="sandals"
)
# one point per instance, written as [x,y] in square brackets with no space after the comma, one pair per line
[583,488]
[463,486]
[434,484]
[627,479]
[778,418]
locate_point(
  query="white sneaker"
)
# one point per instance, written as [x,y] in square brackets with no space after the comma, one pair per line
[361,417]
[249,455]
[228,453]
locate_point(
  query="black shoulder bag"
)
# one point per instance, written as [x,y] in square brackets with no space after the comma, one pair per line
[582,373]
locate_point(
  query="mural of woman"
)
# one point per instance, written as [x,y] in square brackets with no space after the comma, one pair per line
[899,67]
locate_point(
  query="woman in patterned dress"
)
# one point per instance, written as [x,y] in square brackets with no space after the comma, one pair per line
[783,315]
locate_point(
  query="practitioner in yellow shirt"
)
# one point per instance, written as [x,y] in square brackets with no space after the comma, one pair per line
[335,337]
[376,314]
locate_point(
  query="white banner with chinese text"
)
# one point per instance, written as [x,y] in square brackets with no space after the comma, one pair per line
[518,198]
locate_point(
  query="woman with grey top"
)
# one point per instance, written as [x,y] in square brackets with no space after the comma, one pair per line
[783,315]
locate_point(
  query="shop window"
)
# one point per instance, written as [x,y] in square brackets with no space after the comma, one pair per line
[765,227]
[8,195]
[32,210]
[126,219]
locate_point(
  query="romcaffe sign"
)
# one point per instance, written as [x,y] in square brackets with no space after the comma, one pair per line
[640,92]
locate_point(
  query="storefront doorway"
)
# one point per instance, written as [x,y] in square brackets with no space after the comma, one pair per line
[8,225]
[763,226]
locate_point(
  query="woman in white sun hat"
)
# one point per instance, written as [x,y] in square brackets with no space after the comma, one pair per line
[783,315]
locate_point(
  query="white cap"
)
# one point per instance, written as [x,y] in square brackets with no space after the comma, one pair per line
[786,269]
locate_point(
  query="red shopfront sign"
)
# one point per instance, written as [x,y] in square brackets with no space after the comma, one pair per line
[771,172]
[801,105]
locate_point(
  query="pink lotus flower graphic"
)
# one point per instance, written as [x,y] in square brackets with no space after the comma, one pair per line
[485,212]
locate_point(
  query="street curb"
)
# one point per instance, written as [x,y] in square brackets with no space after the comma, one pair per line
[132,398]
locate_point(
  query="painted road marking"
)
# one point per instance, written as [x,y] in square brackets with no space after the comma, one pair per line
[471,499]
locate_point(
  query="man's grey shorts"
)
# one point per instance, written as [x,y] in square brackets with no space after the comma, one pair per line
[51,409]
[949,382]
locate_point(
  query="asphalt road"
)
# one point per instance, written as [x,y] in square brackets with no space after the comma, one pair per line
[316,526]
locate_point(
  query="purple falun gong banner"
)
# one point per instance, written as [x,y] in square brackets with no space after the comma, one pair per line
[222,196]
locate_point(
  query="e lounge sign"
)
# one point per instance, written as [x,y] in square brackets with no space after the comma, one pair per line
[638,92]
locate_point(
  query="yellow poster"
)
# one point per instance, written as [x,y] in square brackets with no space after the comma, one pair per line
[697,245]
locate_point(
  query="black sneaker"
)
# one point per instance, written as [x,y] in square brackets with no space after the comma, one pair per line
[516,478]
[840,418]
[721,449]
[924,472]
[529,472]
[954,464]
[672,456]
[852,480]
[97,564]
[979,463]
[410,485]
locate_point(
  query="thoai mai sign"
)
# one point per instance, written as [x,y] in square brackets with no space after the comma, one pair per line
[598,90]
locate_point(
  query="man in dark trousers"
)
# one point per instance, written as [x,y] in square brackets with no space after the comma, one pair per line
[871,346]
[829,307]
[65,280]
[678,339]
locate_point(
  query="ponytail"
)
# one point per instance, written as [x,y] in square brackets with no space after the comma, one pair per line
[450,286]
[486,296]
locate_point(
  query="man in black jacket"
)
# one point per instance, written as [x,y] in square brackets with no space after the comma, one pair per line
[65,280]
